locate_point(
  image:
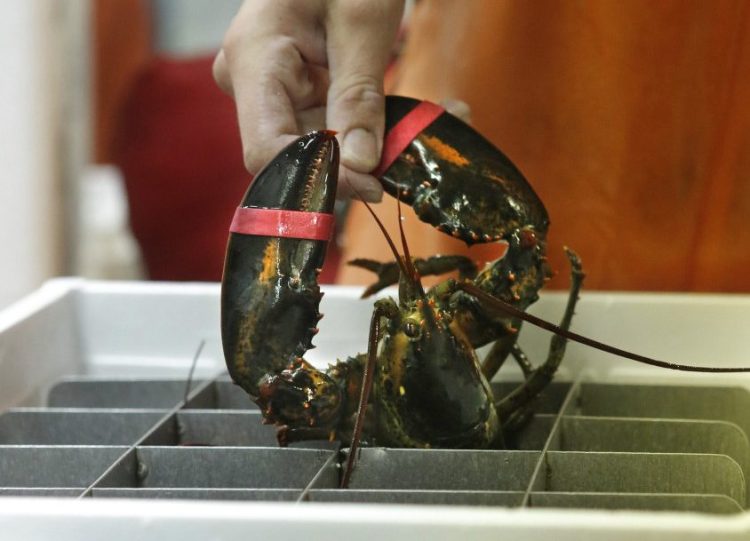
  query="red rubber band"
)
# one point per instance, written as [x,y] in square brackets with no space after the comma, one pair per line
[404,132]
[293,224]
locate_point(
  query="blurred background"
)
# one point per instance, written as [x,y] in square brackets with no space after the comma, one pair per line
[75,75]
[629,118]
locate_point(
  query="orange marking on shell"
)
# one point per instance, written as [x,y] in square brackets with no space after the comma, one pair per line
[270,258]
[445,151]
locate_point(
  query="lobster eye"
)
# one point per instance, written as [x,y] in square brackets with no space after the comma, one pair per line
[411,328]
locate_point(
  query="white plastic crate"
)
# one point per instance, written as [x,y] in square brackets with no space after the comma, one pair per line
[104,331]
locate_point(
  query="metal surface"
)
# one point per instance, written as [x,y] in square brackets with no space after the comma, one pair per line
[592,445]
[149,332]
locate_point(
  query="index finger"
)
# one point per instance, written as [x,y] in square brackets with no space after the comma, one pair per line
[268,75]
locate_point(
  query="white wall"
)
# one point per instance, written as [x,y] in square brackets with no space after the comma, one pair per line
[42,86]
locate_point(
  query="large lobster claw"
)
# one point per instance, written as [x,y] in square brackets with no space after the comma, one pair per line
[270,293]
[459,182]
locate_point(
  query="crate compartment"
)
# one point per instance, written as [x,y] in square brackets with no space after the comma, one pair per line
[549,401]
[121,393]
[243,494]
[597,434]
[706,401]
[44,466]
[443,469]
[422,497]
[36,426]
[222,467]
[221,428]
[575,471]
[222,394]
[534,435]
[40,492]
[697,503]
[213,428]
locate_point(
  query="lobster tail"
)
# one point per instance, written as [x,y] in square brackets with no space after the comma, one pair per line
[279,237]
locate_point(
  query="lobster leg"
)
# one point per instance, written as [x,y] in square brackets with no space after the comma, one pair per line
[501,349]
[522,361]
[388,273]
[515,406]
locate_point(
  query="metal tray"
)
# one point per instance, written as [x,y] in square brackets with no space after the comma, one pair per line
[607,435]
[590,446]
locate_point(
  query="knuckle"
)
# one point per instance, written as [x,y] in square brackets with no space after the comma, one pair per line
[233,39]
[360,93]
[219,71]
[283,51]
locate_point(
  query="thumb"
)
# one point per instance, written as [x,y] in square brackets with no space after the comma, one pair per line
[360,35]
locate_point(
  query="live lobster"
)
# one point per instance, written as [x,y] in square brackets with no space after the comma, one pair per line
[421,376]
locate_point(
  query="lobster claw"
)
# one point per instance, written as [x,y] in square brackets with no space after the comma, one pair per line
[459,182]
[270,294]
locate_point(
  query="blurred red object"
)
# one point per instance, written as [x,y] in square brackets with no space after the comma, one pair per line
[178,146]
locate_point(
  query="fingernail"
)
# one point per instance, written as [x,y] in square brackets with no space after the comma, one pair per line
[361,186]
[360,150]
[371,195]
[457,108]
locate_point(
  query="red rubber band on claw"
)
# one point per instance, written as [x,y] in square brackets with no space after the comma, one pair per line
[292,224]
[404,132]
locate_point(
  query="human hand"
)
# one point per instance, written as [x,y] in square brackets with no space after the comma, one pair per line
[294,66]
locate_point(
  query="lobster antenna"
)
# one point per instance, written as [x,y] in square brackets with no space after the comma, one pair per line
[575,337]
[388,238]
[368,376]
[193,364]
[407,256]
